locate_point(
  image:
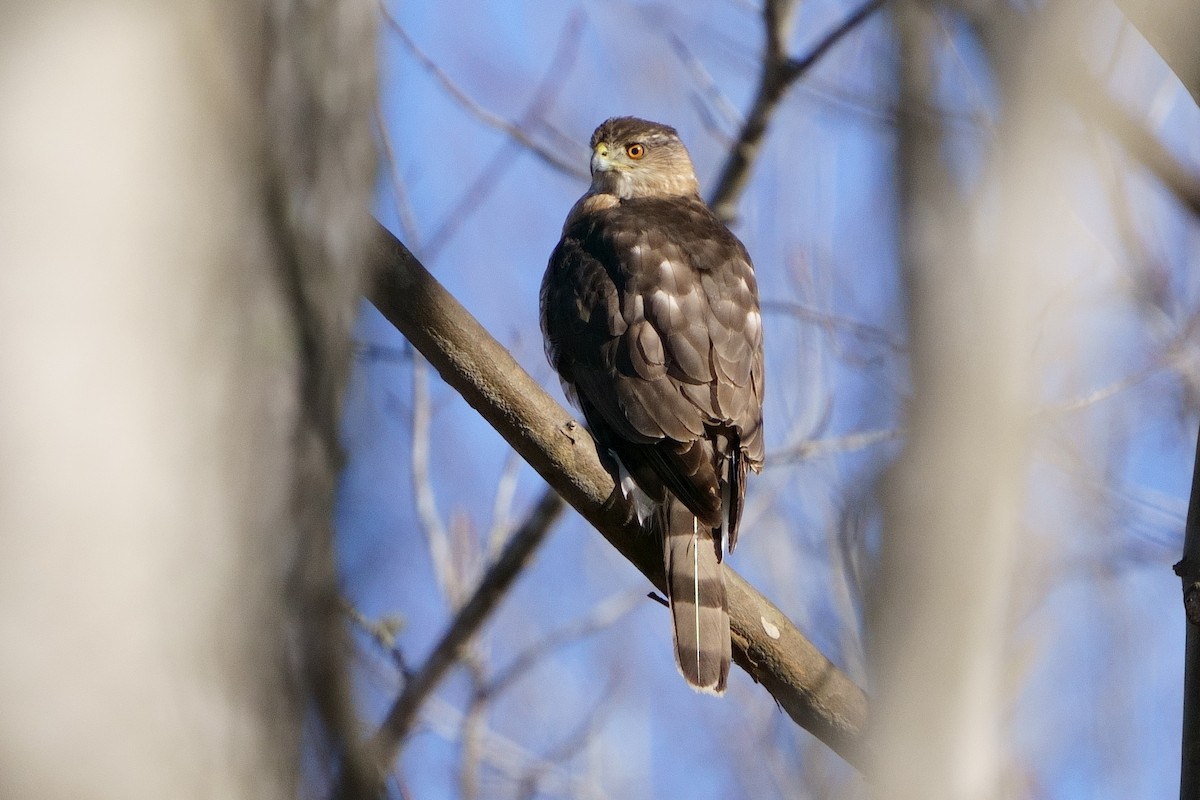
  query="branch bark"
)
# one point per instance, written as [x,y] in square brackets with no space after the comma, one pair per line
[813,692]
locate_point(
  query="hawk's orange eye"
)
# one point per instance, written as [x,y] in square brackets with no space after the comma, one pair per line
[635,151]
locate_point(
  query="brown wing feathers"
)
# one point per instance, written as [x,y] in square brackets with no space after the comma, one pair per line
[651,318]
[696,587]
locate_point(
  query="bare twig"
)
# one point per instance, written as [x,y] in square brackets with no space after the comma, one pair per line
[604,615]
[383,631]
[510,759]
[811,689]
[404,211]
[489,177]
[779,72]
[712,101]
[491,119]
[816,448]
[502,503]
[831,322]
[436,537]
[574,742]
[471,734]
[385,745]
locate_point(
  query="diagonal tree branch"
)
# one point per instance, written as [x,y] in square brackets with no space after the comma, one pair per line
[385,746]
[813,692]
[779,72]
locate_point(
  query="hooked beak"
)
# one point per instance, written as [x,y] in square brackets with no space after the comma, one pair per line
[600,160]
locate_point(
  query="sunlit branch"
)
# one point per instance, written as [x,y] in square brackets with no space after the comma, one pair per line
[436,537]
[807,686]
[506,491]
[513,761]
[510,759]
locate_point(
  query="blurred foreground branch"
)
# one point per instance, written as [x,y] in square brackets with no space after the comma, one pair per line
[1135,138]
[1170,28]
[952,501]
[812,690]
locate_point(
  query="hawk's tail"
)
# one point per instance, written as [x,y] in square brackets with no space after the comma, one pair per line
[696,588]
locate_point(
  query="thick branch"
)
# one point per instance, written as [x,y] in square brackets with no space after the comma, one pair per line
[811,689]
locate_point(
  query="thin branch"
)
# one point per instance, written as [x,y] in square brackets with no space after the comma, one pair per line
[798,66]
[491,119]
[603,616]
[1104,392]
[711,101]
[404,211]
[809,688]
[543,99]
[575,741]
[831,322]
[816,448]
[502,504]
[385,745]
[511,760]
[474,724]
[437,539]
[383,631]
[778,74]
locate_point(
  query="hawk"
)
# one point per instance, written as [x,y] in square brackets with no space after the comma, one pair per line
[649,308]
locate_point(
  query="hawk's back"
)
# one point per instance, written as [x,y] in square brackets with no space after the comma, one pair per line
[651,317]
[650,311]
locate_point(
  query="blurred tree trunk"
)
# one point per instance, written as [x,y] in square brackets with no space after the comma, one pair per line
[1172,27]
[181,228]
[953,502]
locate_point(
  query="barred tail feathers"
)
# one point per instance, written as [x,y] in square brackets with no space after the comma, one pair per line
[696,589]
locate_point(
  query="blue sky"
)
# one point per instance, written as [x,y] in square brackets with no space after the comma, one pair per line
[1095,645]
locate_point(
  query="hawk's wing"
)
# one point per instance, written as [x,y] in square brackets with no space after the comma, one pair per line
[651,318]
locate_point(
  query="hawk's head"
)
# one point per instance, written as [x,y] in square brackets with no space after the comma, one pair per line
[632,157]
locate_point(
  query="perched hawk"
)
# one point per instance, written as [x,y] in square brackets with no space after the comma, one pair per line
[650,312]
